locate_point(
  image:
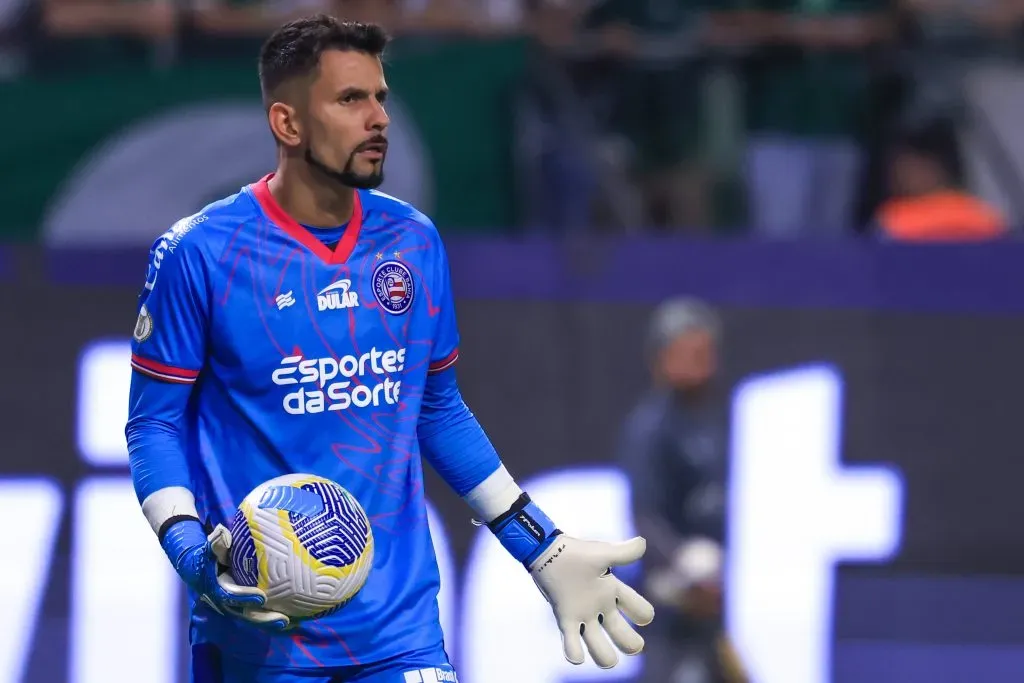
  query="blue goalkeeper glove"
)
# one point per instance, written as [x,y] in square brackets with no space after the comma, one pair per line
[576,579]
[202,563]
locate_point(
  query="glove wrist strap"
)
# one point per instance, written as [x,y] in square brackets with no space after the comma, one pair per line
[524,530]
[180,537]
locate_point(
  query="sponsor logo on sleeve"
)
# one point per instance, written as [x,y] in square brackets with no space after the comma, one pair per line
[143,326]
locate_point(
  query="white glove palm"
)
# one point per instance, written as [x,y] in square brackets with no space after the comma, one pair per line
[575,577]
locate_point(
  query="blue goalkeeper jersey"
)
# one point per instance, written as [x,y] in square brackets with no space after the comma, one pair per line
[308,357]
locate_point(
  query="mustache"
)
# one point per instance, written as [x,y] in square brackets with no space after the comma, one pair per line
[376,143]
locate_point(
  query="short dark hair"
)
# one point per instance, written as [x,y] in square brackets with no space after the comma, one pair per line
[294,49]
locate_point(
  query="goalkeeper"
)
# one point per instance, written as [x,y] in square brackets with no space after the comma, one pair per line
[244,370]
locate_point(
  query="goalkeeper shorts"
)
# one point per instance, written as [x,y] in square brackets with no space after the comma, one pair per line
[430,665]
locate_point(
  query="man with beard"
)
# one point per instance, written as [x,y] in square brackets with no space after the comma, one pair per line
[674,452]
[306,325]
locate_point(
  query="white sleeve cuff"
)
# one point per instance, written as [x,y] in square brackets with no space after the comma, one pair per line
[167,503]
[494,495]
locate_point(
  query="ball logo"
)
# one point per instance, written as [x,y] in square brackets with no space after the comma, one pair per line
[393,287]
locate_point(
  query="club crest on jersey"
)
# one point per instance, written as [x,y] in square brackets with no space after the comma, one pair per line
[393,287]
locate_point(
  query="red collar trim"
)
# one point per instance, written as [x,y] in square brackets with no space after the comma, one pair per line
[273,210]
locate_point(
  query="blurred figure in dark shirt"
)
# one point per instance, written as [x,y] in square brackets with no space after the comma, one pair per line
[674,451]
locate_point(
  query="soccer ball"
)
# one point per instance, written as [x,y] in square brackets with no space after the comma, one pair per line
[305,541]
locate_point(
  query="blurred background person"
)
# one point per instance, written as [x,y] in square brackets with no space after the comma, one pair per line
[674,451]
[962,60]
[615,112]
[656,88]
[253,18]
[555,129]
[104,33]
[16,18]
[808,100]
[928,201]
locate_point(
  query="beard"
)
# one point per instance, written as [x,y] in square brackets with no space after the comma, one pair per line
[348,176]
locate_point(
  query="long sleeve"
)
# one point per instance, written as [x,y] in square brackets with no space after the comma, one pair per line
[168,352]
[155,452]
[451,438]
[455,444]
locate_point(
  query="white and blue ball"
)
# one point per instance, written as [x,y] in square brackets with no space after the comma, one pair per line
[304,541]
